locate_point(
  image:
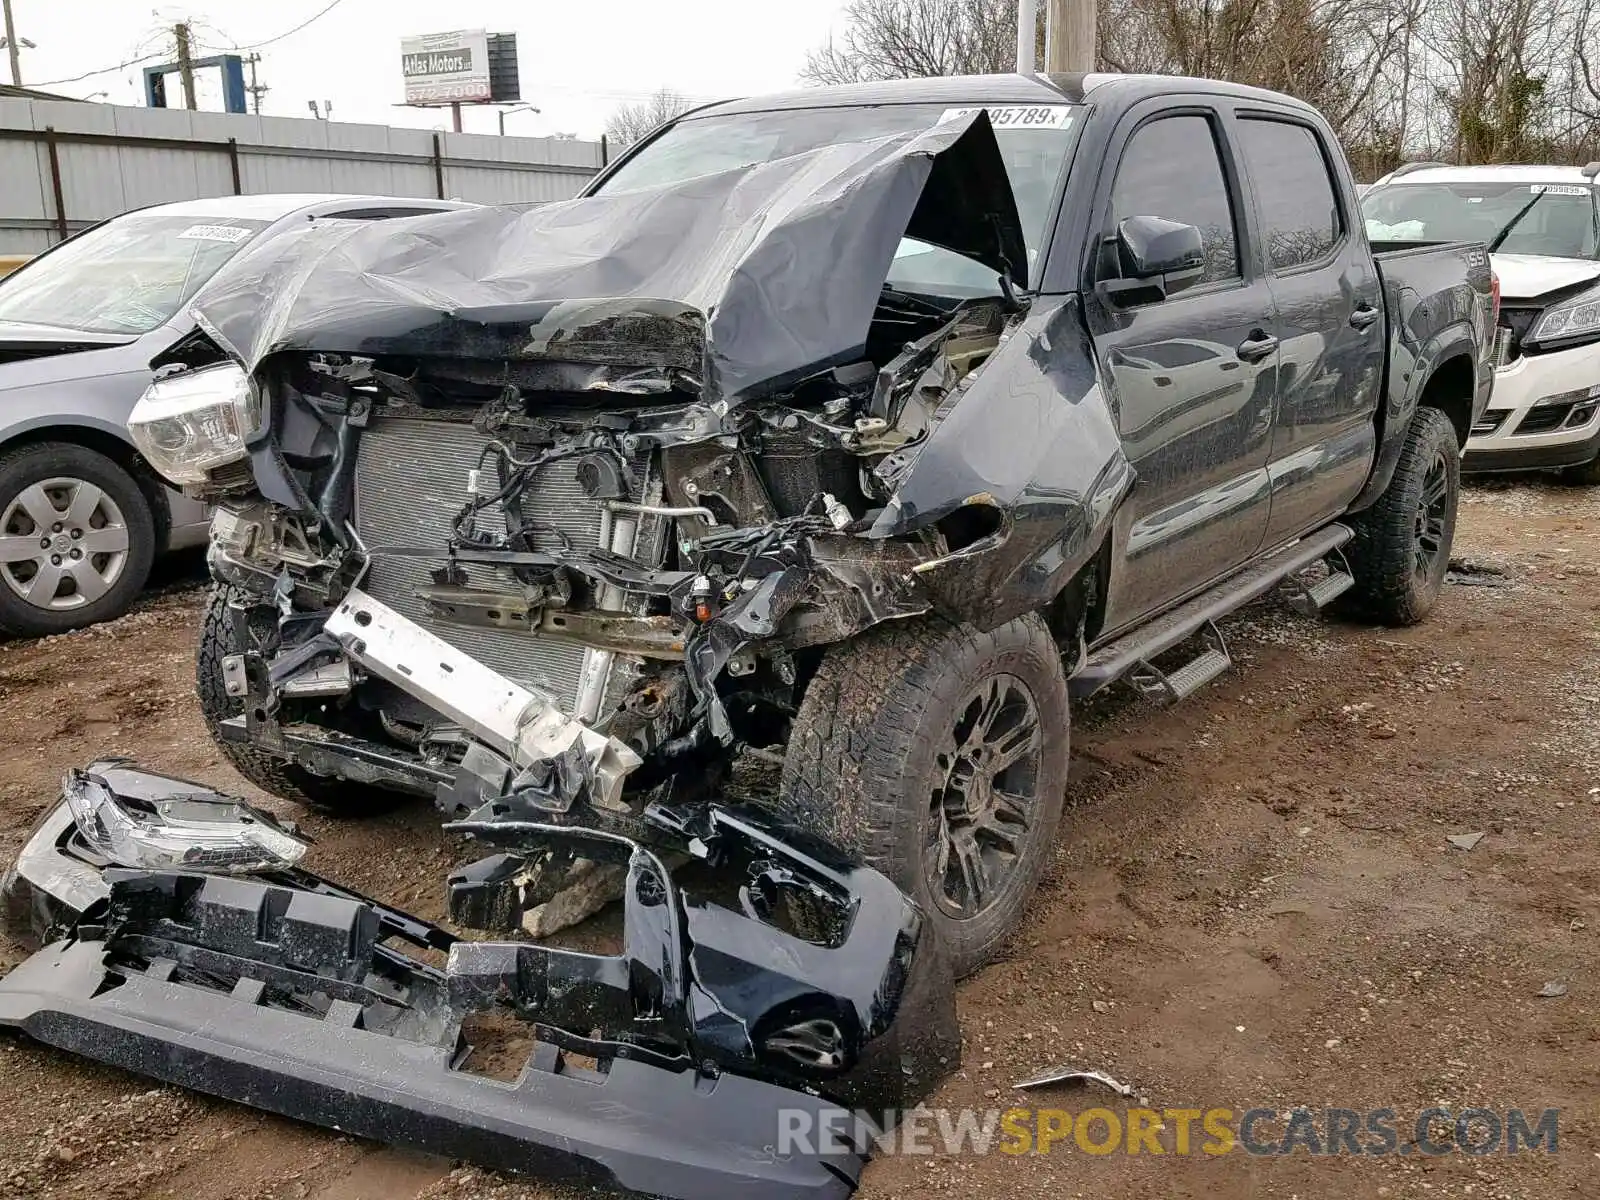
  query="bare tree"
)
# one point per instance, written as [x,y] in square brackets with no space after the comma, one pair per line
[632,121]
[1468,80]
[901,39]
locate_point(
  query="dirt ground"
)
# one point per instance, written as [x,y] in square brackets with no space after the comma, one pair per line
[1253,904]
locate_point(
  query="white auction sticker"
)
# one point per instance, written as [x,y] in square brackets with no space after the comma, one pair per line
[1558,189]
[1019,116]
[215,233]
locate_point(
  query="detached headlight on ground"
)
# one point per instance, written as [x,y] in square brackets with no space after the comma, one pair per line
[1572,318]
[201,834]
[191,424]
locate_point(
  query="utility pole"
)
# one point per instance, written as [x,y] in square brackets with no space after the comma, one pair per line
[1070,38]
[256,90]
[180,32]
[1027,32]
[12,44]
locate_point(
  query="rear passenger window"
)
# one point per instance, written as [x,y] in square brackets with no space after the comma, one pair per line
[1171,169]
[1299,215]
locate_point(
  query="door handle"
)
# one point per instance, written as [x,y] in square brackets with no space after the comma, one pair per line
[1364,317]
[1256,347]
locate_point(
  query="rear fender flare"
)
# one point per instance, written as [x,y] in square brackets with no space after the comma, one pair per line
[1406,388]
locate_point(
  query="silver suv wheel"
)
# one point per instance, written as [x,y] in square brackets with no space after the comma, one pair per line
[78,533]
[63,543]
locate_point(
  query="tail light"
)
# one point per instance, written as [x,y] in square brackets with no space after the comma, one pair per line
[1499,340]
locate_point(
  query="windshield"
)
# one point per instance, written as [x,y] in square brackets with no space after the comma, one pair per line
[127,276]
[1034,142]
[1557,218]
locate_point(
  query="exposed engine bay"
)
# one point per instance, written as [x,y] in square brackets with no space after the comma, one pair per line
[697,558]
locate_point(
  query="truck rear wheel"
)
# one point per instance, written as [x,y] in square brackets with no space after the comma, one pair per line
[938,755]
[1402,545]
[272,775]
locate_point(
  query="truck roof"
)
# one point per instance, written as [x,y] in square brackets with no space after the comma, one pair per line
[988,89]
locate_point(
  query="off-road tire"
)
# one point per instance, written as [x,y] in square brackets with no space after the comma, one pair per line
[1584,475]
[1389,587]
[336,797]
[860,767]
[25,466]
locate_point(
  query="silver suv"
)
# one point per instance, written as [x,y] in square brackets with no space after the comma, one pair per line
[81,515]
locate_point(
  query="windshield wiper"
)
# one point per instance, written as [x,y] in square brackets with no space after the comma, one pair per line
[912,302]
[1505,230]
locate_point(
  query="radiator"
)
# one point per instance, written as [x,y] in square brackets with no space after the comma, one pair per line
[411,480]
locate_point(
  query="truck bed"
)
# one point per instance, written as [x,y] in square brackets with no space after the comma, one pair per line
[1428,286]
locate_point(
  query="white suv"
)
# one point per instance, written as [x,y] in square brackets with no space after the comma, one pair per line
[1542,227]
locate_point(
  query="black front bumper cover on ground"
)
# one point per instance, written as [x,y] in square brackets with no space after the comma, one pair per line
[711,1033]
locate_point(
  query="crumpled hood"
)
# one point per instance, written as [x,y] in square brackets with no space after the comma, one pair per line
[746,280]
[1524,276]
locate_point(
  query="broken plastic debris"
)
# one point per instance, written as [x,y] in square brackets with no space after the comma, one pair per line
[1464,841]
[838,514]
[1552,989]
[1071,1075]
[197,832]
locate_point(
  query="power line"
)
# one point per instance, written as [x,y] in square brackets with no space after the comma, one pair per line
[316,16]
[135,62]
[132,62]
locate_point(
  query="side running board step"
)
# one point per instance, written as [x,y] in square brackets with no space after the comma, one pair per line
[1134,650]
[1187,679]
[1311,599]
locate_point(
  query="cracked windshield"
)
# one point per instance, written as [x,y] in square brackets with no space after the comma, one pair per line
[126,276]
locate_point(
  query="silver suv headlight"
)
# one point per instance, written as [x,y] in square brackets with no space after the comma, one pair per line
[193,423]
[1570,318]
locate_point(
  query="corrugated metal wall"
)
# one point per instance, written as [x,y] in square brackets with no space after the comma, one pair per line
[109,159]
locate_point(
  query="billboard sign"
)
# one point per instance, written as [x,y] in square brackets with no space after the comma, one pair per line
[446,68]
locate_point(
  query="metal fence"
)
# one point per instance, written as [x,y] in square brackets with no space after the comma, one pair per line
[64,166]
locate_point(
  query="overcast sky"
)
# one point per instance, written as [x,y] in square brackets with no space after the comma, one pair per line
[580,59]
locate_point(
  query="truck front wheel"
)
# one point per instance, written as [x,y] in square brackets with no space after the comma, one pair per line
[272,775]
[1402,545]
[938,755]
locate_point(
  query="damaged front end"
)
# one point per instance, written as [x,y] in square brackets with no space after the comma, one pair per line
[773,985]
[606,476]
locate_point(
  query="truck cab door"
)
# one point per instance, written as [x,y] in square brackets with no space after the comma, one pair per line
[1330,325]
[1190,374]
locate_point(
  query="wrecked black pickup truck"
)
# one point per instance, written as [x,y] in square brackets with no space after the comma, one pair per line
[869,423]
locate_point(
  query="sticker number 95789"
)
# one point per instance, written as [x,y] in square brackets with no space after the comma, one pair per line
[1019,116]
